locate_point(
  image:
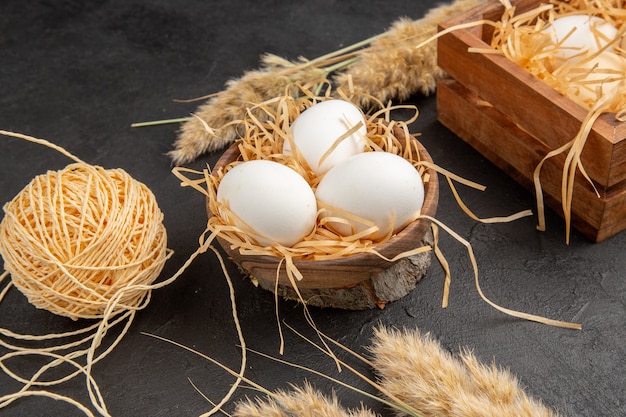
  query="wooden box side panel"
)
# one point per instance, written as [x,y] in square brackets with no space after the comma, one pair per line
[615,212]
[527,101]
[517,153]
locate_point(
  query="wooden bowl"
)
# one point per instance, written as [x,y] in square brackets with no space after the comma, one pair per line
[360,281]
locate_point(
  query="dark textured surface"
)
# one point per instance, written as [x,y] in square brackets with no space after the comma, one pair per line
[79,73]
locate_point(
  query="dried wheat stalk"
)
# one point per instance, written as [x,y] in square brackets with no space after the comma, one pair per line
[392,68]
[385,67]
[419,378]
[216,123]
[415,368]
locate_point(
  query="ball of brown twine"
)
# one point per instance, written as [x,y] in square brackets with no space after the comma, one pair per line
[72,239]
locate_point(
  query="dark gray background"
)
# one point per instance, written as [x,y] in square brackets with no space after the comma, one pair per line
[79,73]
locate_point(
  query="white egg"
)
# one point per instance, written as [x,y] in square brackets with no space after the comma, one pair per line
[380,187]
[602,80]
[273,201]
[317,128]
[583,37]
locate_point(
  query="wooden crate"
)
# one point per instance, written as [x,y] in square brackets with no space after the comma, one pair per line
[515,119]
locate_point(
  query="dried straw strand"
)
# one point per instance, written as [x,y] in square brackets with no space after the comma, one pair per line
[415,368]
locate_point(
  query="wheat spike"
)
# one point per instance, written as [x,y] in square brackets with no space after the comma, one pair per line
[417,370]
[392,68]
[301,402]
[217,123]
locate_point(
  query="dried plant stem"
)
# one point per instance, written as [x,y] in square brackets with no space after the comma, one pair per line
[160,122]
[339,55]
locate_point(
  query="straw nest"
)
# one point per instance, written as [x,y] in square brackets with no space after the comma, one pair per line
[329,260]
[576,73]
[264,140]
[347,277]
